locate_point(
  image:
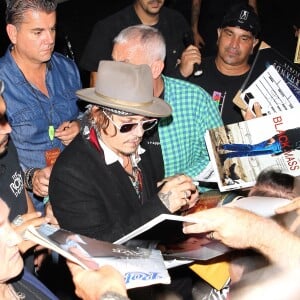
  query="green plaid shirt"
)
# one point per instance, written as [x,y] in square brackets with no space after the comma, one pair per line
[182,134]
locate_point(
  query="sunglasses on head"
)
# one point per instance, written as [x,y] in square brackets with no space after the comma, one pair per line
[126,127]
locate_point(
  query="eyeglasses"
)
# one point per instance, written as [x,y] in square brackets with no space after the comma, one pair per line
[126,127]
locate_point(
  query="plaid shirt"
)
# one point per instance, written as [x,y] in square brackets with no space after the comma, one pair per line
[182,135]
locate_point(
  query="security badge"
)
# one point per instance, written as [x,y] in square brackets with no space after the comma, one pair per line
[51,156]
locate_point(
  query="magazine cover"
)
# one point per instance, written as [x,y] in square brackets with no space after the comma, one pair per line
[177,248]
[283,82]
[140,267]
[240,151]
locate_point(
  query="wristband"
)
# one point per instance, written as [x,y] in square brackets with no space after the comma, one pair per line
[113,296]
[28,177]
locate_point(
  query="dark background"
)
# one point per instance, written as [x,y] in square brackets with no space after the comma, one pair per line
[77,17]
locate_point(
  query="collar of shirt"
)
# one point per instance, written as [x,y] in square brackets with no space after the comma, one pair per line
[111,157]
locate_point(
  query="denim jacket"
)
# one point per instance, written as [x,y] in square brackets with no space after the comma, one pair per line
[30,112]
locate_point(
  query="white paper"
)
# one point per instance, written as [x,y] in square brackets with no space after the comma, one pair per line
[271,92]
[138,271]
[263,206]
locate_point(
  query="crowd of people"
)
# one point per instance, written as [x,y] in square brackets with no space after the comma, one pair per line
[103,160]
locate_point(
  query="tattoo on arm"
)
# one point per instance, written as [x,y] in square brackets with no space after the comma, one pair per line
[165,198]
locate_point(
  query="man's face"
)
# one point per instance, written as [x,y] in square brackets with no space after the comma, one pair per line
[123,143]
[151,7]
[235,45]
[11,260]
[129,52]
[34,38]
[5,128]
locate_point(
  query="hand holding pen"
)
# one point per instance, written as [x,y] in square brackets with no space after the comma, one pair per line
[67,131]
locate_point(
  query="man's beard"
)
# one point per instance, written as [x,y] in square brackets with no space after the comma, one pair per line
[4,149]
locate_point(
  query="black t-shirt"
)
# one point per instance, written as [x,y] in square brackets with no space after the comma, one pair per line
[11,182]
[222,88]
[171,24]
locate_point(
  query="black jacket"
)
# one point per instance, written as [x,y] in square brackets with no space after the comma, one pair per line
[98,200]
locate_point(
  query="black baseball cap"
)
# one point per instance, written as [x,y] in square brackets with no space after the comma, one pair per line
[244,17]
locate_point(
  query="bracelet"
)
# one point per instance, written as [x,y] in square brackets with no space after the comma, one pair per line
[46,200]
[113,296]
[28,174]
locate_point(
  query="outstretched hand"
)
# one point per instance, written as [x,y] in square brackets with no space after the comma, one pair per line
[92,284]
[235,227]
[35,219]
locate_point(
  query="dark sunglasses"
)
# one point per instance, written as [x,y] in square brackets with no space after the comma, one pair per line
[126,127]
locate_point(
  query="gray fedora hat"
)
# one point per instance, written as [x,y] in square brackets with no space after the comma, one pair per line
[125,87]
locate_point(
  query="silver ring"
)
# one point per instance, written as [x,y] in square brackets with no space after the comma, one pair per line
[211,235]
[18,220]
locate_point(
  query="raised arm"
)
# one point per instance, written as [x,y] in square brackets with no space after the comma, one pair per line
[195,14]
[242,229]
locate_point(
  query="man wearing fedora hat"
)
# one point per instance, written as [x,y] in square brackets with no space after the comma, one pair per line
[105,174]
[103,184]
[179,139]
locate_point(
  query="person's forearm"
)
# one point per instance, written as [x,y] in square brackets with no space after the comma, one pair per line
[30,206]
[195,13]
[253,4]
[277,244]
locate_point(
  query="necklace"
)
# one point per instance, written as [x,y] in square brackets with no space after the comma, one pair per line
[136,176]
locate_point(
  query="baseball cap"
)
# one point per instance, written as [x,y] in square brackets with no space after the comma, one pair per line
[242,16]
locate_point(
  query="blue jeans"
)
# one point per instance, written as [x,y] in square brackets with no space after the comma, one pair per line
[243,150]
